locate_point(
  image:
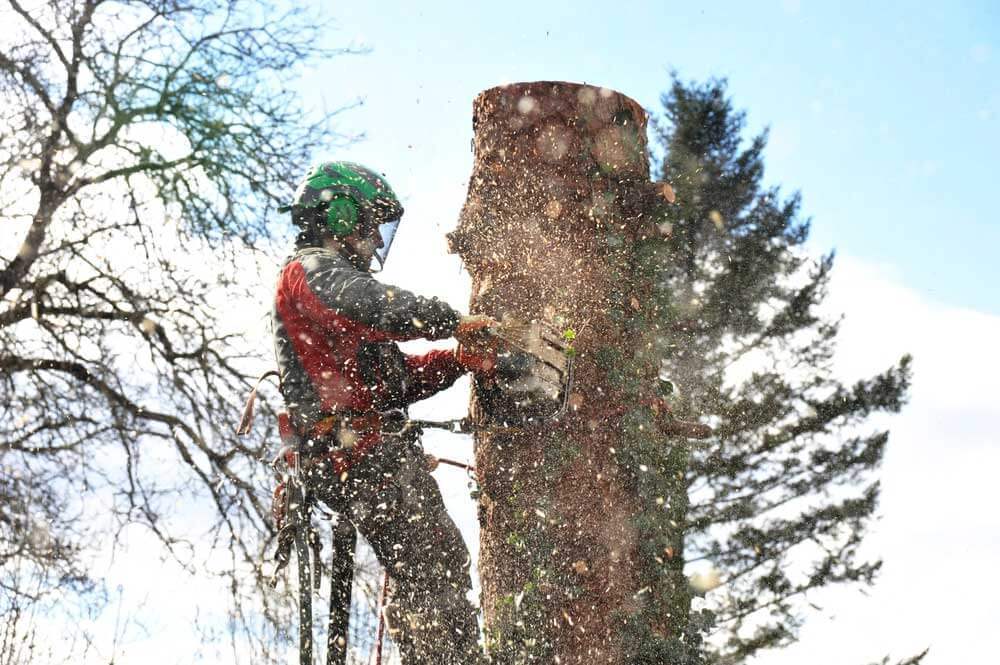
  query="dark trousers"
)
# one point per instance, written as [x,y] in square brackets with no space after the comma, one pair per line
[394,502]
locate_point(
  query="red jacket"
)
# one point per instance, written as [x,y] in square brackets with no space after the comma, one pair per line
[335,329]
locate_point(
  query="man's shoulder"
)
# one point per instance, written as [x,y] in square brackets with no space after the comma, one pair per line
[318,258]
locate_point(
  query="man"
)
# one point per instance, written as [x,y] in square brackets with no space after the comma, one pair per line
[346,385]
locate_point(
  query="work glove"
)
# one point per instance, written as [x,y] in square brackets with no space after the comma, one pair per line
[472,327]
[480,360]
[474,352]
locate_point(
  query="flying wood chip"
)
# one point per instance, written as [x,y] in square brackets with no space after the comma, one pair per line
[716,218]
[666,191]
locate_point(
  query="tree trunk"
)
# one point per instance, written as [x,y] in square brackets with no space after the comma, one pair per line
[558,205]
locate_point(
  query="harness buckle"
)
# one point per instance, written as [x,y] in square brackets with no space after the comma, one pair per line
[395,422]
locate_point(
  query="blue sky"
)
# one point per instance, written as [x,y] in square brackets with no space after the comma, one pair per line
[886,116]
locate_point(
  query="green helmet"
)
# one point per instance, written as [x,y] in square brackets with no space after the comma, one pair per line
[343,197]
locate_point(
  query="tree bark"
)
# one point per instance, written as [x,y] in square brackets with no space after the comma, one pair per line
[558,200]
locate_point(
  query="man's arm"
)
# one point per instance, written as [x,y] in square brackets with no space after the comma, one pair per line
[344,300]
[430,373]
[434,371]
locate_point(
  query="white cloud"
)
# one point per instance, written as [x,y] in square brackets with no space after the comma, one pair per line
[939,535]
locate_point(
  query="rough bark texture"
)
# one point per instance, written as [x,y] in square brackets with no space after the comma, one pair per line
[555,208]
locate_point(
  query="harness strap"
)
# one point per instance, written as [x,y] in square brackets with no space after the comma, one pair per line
[301,540]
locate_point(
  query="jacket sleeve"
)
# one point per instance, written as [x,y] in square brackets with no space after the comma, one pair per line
[338,296]
[430,373]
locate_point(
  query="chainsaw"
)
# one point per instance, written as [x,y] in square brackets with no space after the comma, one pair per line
[530,382]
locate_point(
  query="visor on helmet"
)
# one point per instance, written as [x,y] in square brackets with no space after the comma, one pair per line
[387,231]
[385,213]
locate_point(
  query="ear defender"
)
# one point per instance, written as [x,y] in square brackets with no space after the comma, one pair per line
[341,216]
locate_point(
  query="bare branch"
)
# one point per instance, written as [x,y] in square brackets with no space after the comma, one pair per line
[42,31]
[40,90]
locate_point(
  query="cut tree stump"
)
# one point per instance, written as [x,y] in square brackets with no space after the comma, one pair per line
[557,200]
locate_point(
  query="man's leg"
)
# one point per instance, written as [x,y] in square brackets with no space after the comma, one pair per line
[430,615]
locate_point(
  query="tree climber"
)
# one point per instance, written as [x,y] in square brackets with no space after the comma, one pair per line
[346,385]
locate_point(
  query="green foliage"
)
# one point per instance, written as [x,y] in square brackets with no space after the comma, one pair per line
[569,336]
[645,646]
[912,660]
[779,500]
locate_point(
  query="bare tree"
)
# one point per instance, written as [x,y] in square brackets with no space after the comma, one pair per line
[142,146]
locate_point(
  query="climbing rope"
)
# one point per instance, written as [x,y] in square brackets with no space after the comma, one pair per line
[381,618]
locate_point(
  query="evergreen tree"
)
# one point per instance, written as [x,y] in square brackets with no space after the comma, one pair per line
[779,501]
